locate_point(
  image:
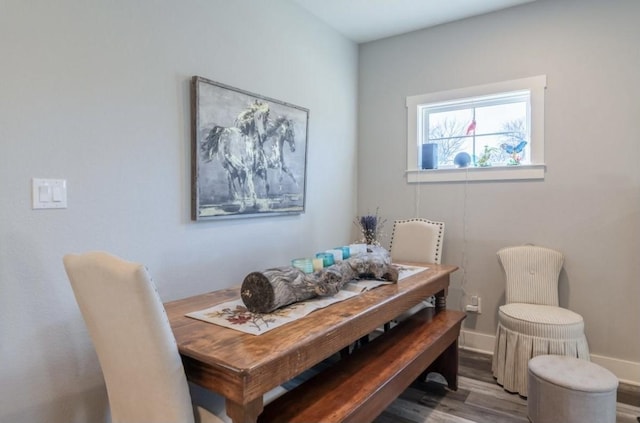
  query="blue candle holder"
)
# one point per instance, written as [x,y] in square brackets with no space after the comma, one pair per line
[327,259]
[304,264]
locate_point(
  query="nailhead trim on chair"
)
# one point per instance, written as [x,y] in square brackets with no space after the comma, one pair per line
[438,253]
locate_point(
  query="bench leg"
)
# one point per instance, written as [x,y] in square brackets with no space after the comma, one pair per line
[447,365]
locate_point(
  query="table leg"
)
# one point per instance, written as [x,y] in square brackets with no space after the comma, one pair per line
[441,300]
[247,413]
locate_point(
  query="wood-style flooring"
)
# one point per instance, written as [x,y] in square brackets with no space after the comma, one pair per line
[479,399]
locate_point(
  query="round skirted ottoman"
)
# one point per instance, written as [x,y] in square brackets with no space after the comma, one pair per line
[570,390]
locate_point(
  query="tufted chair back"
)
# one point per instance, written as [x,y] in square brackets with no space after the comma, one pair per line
[531,274]
[417,240]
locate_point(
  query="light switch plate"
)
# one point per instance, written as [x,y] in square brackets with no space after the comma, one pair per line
[49,193]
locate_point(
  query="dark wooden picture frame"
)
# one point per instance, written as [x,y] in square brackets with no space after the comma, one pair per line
[248,153]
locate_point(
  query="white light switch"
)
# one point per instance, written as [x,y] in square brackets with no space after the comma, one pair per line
[44,193]
[49,193]
[58,194]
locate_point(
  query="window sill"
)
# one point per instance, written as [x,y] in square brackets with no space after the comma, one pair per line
[491,173]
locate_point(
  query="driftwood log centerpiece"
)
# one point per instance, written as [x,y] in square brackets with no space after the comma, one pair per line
[266,291]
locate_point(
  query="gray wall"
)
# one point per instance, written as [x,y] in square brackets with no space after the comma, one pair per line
[98,93]
[588,205]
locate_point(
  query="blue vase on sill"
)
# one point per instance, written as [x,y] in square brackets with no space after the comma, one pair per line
[462,159]
[430,156]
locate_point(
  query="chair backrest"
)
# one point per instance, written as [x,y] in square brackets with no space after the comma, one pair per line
[417,240]
[531,274]
[132,336]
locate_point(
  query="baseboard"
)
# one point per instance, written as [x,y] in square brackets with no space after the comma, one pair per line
[626,371]
[476,341]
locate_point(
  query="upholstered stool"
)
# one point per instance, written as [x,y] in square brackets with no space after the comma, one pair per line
[570,390]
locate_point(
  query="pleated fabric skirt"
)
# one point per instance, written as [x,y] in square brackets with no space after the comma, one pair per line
[528,330]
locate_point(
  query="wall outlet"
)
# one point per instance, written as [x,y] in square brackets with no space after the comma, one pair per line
[475,306]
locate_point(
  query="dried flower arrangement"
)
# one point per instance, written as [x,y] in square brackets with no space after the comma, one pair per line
[371,227]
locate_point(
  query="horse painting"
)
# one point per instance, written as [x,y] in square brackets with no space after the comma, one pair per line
[269,154]
[236,147]
[248,153]
[280,131]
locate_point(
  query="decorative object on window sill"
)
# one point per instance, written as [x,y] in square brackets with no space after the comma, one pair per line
[514,151]
[462,159]
[430,155]
[487,155]
[371,228]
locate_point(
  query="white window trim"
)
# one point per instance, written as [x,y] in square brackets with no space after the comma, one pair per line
[535,170]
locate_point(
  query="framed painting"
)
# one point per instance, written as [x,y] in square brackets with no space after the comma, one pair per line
[248,153]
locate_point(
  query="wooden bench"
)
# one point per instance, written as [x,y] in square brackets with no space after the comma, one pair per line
[359,387]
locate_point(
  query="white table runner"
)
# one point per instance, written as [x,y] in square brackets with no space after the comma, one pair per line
[234,314]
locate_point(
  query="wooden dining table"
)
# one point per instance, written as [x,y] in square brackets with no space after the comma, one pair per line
[243,367]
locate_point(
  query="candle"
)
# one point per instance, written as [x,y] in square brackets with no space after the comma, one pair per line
[337,254]
[318,264]
[327,259]
[357,249]
[304,264]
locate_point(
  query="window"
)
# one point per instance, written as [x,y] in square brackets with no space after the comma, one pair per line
[487,132]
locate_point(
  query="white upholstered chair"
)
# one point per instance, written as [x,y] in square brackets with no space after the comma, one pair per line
[531,323]
[136,348]
[417,240]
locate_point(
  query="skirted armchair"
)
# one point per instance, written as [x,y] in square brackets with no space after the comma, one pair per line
[531,323]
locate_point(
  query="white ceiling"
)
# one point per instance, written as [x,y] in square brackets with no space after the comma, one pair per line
[368,20]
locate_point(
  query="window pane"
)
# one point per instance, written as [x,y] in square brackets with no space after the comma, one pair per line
[492,123]
[491,134]
[448,130]
[493,118]
[448,124]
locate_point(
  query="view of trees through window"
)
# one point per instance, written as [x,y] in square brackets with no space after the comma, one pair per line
[492,132]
